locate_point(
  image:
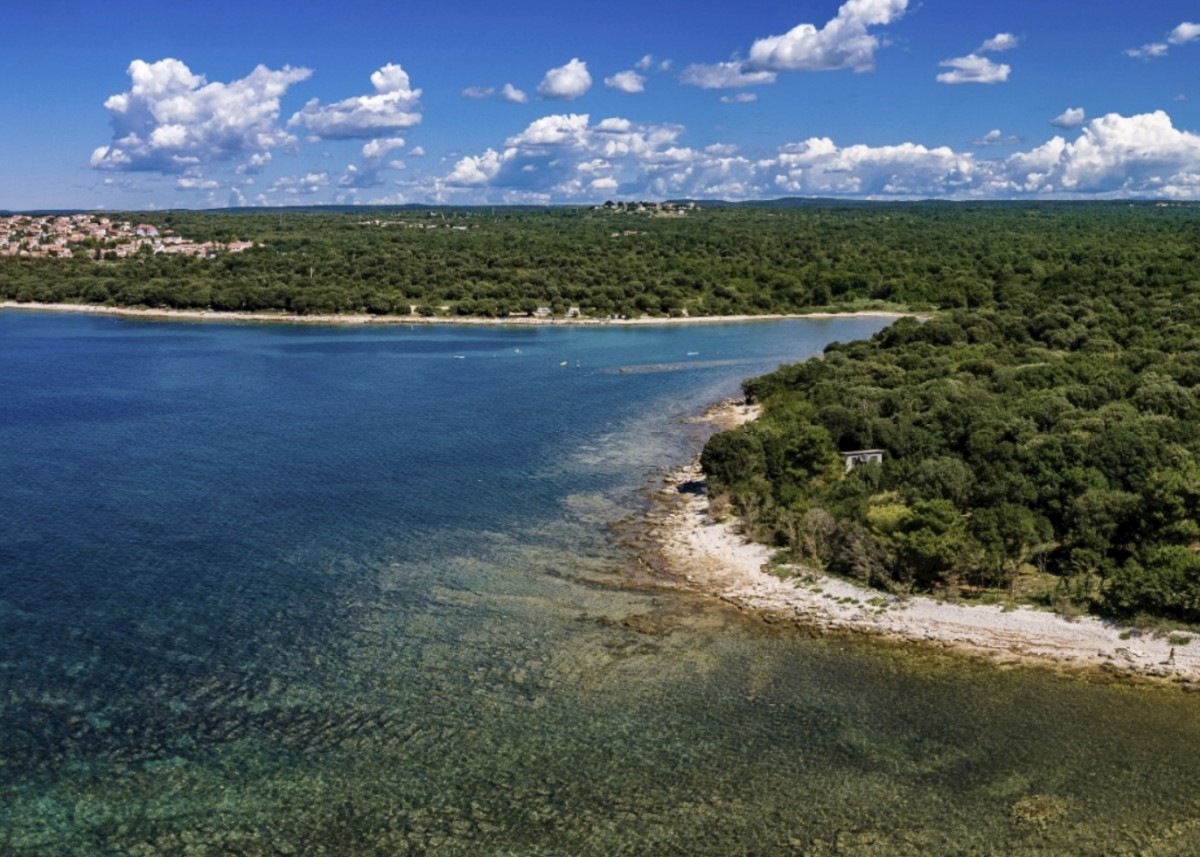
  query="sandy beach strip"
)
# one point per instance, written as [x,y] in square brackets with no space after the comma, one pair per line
[356,319]
[711,556]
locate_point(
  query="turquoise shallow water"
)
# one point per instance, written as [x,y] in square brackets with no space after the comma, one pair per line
[272,589]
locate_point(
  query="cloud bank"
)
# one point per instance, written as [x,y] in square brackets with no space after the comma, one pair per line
[206,135]
[567,157]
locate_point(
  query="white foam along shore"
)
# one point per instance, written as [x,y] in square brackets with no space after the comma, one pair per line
[354,319]
[712,556]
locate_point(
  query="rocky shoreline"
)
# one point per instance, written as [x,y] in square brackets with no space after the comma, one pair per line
[706,555]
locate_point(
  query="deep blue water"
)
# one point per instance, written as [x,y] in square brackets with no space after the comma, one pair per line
[170,488]
[272,587]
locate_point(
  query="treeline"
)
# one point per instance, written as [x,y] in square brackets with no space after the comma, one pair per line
[716,261]
[1050,437]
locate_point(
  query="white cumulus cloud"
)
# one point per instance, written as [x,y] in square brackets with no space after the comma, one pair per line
[172,120]
[1140,155]
[842,43]
[818,166]
[740,98]
[975,67]
[511,93]
[475,170]
[1072,117]
[1184,33]
[479,92]
[375,149]
[626,81]
[998,42]
[394,106]
[1181,35]
[566,82]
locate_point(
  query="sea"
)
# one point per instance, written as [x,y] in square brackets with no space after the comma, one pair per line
[298,589]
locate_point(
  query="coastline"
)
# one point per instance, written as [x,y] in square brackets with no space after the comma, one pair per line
[707,556]
[711,557]
[389,320]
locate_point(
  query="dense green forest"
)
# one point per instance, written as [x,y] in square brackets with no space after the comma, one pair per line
[715,261]
[1041,431]
[1046,440]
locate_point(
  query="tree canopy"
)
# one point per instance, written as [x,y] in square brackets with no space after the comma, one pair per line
[1053,428]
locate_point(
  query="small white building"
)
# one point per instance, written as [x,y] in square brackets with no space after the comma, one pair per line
[855,457]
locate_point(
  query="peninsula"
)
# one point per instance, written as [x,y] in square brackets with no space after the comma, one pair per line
[706,550]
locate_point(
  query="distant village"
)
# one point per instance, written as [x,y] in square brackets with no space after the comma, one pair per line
[97,237]
[411,224]
[677,209]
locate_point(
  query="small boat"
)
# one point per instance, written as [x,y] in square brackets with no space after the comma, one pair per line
[460,357]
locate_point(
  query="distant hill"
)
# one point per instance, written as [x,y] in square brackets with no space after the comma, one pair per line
[787,202]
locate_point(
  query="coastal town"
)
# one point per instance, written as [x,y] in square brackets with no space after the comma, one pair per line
[98,237]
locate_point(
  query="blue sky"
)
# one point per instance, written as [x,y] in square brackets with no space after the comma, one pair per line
[199,104]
